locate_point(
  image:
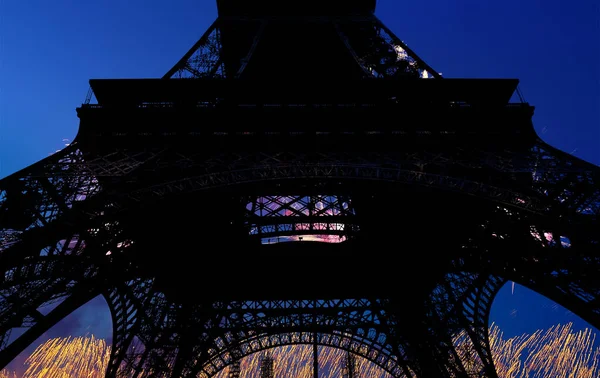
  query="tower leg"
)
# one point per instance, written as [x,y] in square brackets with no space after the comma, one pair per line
[31,284]
[43,324]
[315,350]
[126,304]
[567,276]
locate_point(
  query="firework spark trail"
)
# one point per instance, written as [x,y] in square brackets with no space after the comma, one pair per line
[81,357]
[559,352]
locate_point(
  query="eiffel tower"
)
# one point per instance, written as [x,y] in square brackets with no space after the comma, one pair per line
[300,176]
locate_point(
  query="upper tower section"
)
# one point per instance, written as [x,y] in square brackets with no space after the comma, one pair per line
[261,8]
[308,40]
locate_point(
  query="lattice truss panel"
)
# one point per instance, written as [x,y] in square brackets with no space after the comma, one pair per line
[379,52]
[42,283]
[567,181]
[49,227]
[451,338]
[135,308]
[266,367]
[557,258]
[199,342]
[39,291]
[32,202]
[462,303]
[541,180]
[42,195]
[544,234]
[296,218]
[211,58]
[350,369]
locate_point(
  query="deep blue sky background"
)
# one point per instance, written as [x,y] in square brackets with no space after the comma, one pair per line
[50,49]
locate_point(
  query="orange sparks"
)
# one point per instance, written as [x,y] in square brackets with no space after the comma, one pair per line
[559,352]
[68,357]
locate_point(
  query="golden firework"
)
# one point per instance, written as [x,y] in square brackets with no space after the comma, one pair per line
[68,357]
[559,352]
[6,374]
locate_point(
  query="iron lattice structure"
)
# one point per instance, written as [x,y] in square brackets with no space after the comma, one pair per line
[251,199]
[266,367]
[350,370]
[234,369]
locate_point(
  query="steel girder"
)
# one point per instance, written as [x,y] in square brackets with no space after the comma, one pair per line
[375,48]
[208,58]
[61,239]
[29,287]
[540,179]
[296,216]
[216,335]
[66,244]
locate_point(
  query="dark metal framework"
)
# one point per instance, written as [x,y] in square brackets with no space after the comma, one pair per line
[296,218]
[462,190]
[234,369]
[350,368]
[266,367]
[376,50]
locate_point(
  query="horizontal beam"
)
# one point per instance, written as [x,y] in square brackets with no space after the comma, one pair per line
[133,92]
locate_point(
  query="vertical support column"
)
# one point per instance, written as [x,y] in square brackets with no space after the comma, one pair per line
[266,367]
[350,365]
[315,356]
[234,369]
[315,344]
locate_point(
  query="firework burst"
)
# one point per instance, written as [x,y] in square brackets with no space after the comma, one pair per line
[67,357]
[559,352]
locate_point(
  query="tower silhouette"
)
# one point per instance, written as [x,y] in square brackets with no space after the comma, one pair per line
[300,176]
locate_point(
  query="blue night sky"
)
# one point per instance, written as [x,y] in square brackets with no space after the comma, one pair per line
[50,49]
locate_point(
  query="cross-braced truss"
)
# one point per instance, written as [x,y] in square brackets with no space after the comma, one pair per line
[211,58]
[230,331]
[295,218]
[375,48]
[67,249]
[266,366]
[67,230]
[542,179]
[379,52]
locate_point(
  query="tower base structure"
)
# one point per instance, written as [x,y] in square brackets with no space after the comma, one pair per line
[222,212]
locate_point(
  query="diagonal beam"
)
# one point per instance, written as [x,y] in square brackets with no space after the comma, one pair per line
[408,50]
[60,312]
[255,41]
[183,61]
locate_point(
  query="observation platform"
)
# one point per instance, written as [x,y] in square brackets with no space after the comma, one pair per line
[230,114]
[137,92]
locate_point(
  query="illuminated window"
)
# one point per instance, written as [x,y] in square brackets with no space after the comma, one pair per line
[317,218]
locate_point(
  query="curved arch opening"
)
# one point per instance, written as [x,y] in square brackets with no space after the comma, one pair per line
[296,360]
[77,346]
[529,332]
[358,344]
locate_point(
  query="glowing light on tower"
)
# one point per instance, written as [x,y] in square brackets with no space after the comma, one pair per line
[320,218]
